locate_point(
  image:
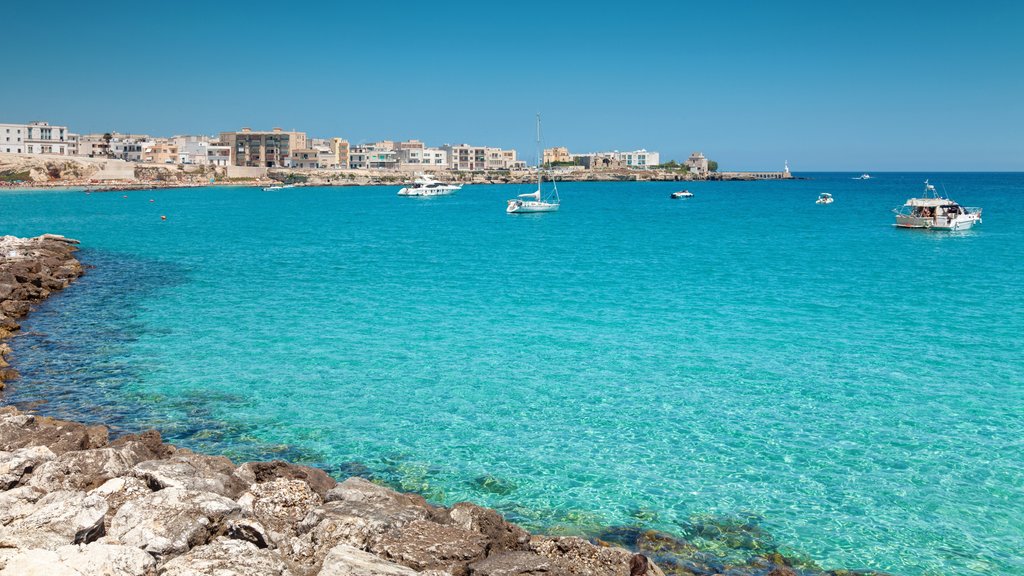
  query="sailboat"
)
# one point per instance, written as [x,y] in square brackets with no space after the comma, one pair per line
[536,201]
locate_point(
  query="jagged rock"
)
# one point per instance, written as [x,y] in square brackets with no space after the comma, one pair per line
[426,545]
[578,556]
[59,518]
[170,522]
[249,530]
[279,505]
[500,534]
[117,491]
[517,564]
[90,560]
[19,430]
[344,560]
[257,472]
[15,308]
[18,503]
[360,514]
[88,469]
[225,557]
[190,471]
[151,442]
[15,465]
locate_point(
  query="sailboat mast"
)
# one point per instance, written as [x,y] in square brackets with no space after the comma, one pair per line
[540,157]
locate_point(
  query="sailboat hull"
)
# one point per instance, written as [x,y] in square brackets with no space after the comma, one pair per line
[530,207]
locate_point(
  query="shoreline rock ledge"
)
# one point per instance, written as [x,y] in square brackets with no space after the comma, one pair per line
[73,502]
[30,270]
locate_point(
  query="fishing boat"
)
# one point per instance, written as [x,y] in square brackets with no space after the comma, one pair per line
[425,185]
[681,194]
[824,198]
[933,212]
[536,201]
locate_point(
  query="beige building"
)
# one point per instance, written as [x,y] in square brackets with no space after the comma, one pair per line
[160,153]
[557,154]
[463,157]
[697,164]
[304,158]
[261,148]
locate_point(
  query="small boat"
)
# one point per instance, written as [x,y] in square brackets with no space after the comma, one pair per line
[863,177]
[281,187]
[933,212]
[424,185]
[681,194]
[824,198]
[535,201]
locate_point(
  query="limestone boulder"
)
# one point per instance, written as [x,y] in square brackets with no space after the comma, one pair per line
[89,560]
[279,505]
[359,514]
[577,556]
[425,545]
[19,430]
[171,521]
[500,534]
[117,491]
[190,471]
[88,469]
[15,465]
[59,518]
[344,560]
[258,472]
[226,557]
[18,503]
[517,564]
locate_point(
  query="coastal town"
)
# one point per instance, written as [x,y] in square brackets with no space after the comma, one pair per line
[43,154]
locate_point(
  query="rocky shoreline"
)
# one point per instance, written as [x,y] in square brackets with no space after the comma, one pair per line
[30,270]
[75,502]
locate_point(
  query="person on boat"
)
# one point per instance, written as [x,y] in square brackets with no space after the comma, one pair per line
[639,565]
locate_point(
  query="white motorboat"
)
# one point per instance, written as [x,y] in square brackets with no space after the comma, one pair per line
[863,177]
[425,185]
[933,212]
[274,188]
[824,198]
[536,201]
[681,194]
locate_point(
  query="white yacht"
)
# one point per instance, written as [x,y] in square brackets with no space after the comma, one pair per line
[274,188]
[863,177]
[425,185]
[933,212]
[536,201]
[824,198]
[681,194]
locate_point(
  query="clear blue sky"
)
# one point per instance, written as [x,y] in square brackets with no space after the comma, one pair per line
[844,85]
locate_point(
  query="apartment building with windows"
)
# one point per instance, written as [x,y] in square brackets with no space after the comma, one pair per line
[467,158]
[268,149]
[36,138]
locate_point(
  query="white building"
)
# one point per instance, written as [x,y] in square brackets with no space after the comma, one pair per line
[36,138]
[422,159]
[640,158]
[376,155]
[12,138]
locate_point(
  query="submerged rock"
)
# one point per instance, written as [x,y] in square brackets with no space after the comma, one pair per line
[494,485]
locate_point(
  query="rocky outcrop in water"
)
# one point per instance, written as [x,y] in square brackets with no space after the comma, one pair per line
[30,270]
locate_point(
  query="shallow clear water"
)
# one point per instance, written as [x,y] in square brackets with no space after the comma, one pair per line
[856,389]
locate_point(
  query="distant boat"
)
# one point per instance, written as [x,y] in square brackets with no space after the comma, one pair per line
[933,212]
[863,177]
[681,194]
[824,198]
[424,185]
[281,187]
[535,201]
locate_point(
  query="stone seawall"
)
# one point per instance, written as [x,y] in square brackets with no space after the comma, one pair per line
[30,270]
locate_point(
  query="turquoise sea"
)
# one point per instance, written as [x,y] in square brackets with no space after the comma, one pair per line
[842,390]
